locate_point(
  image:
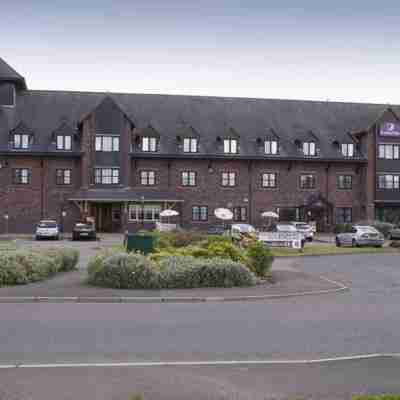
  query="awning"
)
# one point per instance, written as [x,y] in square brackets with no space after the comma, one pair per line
[123,195]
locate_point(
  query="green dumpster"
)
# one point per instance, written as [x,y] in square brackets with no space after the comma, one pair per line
[142,243]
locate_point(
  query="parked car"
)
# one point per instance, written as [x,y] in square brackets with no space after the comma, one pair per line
[48,229]
[305,229]
[83,231]
[243,228]
[360,235]
[288,227]
[216,230]
[394,234]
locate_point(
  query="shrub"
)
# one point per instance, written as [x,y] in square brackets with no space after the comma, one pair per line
[259,258]
[342,228]
[24,266]
[135,271]
[123,271]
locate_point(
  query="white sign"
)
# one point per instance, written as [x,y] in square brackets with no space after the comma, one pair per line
[282,239]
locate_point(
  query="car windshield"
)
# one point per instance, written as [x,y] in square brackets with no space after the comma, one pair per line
[286,228]
[83,226]
[47,224]
[303,226]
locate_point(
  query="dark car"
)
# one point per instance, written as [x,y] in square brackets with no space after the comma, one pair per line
[216,230]
[83,231]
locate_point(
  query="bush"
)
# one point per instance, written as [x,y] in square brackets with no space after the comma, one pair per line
[24,266]
[123,271]
[259,259]
[135,271]
[342,228]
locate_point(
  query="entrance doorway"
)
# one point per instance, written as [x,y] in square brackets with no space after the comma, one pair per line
[107,217]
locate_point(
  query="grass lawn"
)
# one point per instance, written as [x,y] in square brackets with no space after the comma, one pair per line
[7,245]
[329,249]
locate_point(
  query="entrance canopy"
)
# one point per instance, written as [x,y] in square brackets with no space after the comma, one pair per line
[122,195]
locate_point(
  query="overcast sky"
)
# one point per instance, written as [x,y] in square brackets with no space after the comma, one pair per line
[345,50]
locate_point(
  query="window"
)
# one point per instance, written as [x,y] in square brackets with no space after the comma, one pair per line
[63,177]
[228,179]
[230,146]
[7,94]
[268,180]
[21,141]
[149,144]
[63,142]
[106,176]
[389,151]
[307,181]
[309,149]
[271,147]
[348,149]
[144,212]
[107,143]
[199,213]
[344,215]
[188,178]
[345,182]
[147,178]
[190,145]
[22,176]
[389,182]
[240,214]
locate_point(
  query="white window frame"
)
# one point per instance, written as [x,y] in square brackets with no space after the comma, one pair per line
[267,178]
[188,178]
[141,212]
[228,179]
[149,144]
[231,146]
[348,149]
[309,148]
[271,147]
[65,176]
[103,178]
[190,145]
[107,143]
[200,213]
[147,177]
[64,142]
[21,141]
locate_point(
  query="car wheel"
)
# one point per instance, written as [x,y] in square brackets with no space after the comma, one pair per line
[37,238]
[353,243]
[338,244]
[57,237]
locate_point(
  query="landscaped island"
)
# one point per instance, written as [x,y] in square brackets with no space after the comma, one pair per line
[182,260]
[22,266]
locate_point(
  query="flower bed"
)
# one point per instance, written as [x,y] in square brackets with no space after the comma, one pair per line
[23,266]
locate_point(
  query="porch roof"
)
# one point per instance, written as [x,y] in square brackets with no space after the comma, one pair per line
[123,195]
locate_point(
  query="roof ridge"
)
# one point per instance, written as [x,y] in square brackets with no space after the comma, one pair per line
[107,93]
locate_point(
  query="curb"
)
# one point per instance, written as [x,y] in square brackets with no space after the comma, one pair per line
[169,299]
[143,364]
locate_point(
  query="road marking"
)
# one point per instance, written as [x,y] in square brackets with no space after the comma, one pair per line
[201,363]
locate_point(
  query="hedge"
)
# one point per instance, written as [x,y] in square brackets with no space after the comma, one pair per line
[378,397]
[23,266]
[135,271]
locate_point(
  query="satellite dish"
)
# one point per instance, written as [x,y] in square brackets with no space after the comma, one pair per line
[269,214]
[223,213]
[169,213]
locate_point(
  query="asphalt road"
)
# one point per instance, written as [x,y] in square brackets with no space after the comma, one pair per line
[364,320]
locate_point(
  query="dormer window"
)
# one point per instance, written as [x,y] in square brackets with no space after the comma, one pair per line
[230,146]
[107,143]
[348,149]
[190,145]
[271,147]
[64,142]
[21,141]
[149,144]
[309,148]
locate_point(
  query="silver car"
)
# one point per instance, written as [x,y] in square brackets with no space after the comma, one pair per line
[47,229]
[360,235]
[305,229]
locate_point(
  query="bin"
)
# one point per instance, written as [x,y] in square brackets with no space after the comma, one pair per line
[143,243]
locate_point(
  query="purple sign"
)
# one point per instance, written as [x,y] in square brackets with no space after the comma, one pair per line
[390,129]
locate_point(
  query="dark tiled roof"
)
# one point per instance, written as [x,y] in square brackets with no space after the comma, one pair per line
[103,195]
[7,73]
[209,117]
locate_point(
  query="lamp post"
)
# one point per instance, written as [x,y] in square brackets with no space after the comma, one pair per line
[6,217]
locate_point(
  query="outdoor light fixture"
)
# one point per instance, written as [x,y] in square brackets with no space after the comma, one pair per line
[64,214]
[6,216]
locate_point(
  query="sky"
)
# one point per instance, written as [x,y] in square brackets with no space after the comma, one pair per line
[342,50]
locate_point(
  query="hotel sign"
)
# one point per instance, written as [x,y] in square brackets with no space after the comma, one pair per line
[390,129]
